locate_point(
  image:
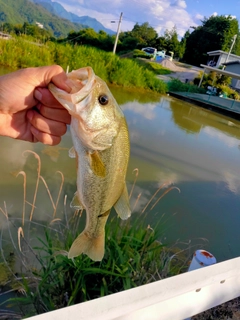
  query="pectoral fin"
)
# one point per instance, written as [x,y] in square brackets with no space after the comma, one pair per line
[72,153]
[97,164]
[76,203]
[122,205]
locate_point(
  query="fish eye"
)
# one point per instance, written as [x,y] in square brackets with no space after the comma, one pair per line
[103,99]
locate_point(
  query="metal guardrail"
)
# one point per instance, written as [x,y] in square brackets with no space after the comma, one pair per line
[177,298]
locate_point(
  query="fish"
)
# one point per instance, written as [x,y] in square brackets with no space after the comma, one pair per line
[101,147]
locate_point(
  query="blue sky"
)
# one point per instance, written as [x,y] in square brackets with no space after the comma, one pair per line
[161,14]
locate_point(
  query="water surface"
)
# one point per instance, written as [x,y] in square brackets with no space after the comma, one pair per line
[173,143]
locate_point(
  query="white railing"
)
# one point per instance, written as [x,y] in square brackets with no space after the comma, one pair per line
[174,298]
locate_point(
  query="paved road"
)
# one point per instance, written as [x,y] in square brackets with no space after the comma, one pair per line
[181,73]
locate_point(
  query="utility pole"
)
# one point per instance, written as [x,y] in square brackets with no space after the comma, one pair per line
[233,42]
[118,31]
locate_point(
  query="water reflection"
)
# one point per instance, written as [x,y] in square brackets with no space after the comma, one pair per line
[183,142]
[172,143]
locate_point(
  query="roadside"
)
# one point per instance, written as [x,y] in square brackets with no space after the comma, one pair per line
[179,72]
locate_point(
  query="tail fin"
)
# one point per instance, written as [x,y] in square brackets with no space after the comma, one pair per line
[92,247]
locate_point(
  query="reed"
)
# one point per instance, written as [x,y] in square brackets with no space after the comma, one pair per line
[134,253]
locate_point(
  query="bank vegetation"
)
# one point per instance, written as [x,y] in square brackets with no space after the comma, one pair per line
[22,52]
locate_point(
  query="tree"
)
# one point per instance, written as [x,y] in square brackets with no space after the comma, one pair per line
[182,45]
[216,33]
[146,36]
[91,38]
[173,44]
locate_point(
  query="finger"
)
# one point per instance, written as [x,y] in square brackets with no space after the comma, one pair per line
[60,115]
[45,137]
[43,124]
[45,97]
[53,74]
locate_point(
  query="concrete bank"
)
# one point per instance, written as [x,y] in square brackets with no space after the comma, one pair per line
[228,107]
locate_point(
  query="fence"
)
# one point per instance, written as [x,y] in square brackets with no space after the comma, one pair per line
[175,298]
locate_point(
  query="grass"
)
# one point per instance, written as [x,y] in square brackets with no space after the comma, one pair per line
[19,53]
[134,254]
[176,85]
[155,67]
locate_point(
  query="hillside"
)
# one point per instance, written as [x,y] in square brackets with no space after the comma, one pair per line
[20,11]
[57,9]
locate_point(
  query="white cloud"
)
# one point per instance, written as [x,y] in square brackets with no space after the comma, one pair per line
[199,16]
[180,3]
[229,141]
[161,14]
[233,17]
[147,110]
[215,14]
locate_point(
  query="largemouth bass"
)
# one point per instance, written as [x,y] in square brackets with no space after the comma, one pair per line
[101,147]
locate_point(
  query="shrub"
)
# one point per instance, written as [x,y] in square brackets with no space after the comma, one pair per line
[177,85]
[141,54]
[124,72]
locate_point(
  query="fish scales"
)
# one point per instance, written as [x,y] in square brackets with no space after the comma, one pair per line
[101,146]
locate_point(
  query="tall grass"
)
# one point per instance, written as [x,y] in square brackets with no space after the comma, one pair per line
[47,279]
[19,53]
[175,85]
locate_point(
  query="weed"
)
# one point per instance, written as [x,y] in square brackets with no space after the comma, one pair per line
[134,254]
[176,85]
[19,53]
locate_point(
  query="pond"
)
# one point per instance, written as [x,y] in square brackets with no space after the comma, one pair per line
[173,144]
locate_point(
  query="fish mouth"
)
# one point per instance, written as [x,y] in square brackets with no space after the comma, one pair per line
[81,82]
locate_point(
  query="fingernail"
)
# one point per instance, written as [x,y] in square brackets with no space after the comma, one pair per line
[38,94]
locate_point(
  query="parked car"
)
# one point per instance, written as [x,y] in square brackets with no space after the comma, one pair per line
[150,50]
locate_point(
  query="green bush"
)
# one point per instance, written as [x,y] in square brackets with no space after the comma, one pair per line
[212,79]
[112,69]
[230,93]
[141,54]
[177,85]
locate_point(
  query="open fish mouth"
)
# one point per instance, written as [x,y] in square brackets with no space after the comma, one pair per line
[81,82]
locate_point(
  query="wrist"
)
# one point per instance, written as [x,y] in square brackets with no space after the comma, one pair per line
[6,126]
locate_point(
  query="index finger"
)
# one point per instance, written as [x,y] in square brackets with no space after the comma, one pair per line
[44,96]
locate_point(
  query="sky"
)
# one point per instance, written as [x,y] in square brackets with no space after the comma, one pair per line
[160,14]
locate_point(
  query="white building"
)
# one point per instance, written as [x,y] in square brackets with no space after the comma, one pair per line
[219,57]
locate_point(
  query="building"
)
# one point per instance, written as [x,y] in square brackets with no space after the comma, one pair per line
[218,57]
[39,25]
[234,67]
[5,36]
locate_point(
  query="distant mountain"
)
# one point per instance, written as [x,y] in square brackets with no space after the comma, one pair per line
[20,11]
[58,10]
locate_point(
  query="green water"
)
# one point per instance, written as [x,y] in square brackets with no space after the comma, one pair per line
[172,143]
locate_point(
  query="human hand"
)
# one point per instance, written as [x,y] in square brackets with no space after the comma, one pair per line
[28,111]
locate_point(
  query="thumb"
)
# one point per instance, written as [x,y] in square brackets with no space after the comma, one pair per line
[54,74]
